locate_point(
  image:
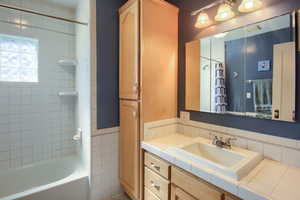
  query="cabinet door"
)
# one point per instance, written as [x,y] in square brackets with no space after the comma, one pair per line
[179,194]
[284,82]
[196,187]
[129,147]
[129,47]
[159,67]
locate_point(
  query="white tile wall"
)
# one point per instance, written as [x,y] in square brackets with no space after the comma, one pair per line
[273,151]
[36,124]
[104,177]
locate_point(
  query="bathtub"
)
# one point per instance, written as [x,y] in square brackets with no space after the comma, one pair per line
[61,179]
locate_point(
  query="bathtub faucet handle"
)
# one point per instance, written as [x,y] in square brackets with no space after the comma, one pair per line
[78,135]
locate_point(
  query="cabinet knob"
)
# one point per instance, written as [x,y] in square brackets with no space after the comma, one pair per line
[157,187]
[155,166]
[294,115]
[276,114]
[135,87]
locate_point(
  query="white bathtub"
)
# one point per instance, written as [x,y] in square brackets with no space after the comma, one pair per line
[61,179]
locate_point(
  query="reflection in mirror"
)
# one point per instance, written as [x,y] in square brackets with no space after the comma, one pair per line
[247,71]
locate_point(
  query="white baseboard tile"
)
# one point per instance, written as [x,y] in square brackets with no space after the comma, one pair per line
[104,172]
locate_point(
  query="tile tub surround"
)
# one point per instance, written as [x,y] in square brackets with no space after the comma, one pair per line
[269,180]
[280,149]
[35,123]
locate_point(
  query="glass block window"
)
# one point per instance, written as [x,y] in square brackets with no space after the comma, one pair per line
[18,59]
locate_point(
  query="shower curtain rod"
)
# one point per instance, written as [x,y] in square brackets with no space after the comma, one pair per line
[41,14]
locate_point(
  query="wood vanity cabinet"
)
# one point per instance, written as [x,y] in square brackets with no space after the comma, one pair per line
[147,82]
[164,181]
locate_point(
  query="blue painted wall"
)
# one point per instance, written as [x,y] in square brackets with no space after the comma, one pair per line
[189,33]
[108,62]
[236,61]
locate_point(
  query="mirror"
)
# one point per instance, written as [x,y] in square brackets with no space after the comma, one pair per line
[248,71]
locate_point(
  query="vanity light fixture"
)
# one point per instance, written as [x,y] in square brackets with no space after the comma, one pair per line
[250,5]
[224,12]
[202,20]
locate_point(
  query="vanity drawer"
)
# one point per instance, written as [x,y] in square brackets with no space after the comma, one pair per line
[149,195]
[194,186]
[158,165]
[156,184]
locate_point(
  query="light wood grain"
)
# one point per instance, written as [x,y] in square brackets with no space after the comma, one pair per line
[195,187]
[149,195]
[129,147]
[192,75]
[284,81]
[159,55]
[158,165]
[179,194]
[231,197]
[129,56]
[156,184]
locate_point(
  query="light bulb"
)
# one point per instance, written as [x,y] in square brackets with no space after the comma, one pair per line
[202,20]
[250,5]
[224,12]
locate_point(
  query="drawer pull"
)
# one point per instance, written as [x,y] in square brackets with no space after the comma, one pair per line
[157,187]
[155,166]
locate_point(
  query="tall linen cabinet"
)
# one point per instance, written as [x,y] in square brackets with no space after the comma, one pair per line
[148,80]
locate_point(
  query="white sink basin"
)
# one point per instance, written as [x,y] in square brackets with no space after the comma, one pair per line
[215,155]
[235,163]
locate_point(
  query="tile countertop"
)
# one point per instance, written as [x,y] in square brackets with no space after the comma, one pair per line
[269,180]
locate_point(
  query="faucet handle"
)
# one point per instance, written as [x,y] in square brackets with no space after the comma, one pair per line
[228,140]
[215,139]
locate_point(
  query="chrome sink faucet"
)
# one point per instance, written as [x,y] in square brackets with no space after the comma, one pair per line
[219,142]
